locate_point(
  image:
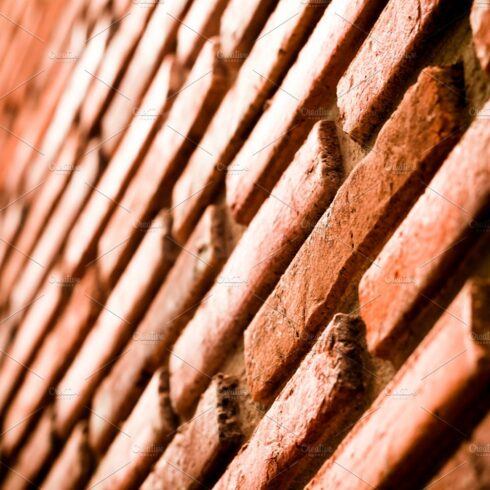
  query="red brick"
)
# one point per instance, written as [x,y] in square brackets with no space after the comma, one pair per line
[262,71]
[421,406]
[201,448]
[55,232]
[72,467]
[255,266]
[365,212]
[117,57]
[201,23]
[51,360]
[312,410]
[121,313]
[141,441]
[182,130]
[107,193]
[158,39]
[367,90]
[241,24]
[468,467]
[442,225]
[173,306]
[288,119]
[480,25]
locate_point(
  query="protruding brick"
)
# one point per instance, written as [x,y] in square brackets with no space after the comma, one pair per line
[365,212]
[201,23]
[173,306]
[121,313]
[141,441]
[255,266]
[150,188]
[201,449]
[420,409]
[158,39]
[106,195]
[257,80]
[304,97]
[480,25]
[310,413]
[450,216]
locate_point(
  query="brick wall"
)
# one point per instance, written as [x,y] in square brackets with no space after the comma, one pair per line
[244,245]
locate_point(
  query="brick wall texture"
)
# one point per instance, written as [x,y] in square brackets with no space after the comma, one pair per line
[245,244]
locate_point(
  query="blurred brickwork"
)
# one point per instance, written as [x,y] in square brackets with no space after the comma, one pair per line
[244,244]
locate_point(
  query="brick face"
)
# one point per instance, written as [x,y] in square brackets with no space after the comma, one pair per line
[365,211]
[401,284]
[254,267]
[244,244]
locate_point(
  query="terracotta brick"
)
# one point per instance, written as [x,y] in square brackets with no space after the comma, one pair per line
[367,209]
[411,269]
[201,448]
[241,24]
[55,232]
[467,468]
[141,441]
[173,306]
[255,266]
[73,466]
[201,23]
[421,406]
[51,361]
[367,90]
[121,313]
[311,411]
[480,25]
[107,193]
[257,80]
[158,39]
[31,460]
[306,93]
[181,133]
[47,196]
[119,51]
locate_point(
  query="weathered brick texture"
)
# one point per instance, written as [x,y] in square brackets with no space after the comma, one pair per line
[244,244]
[365,211]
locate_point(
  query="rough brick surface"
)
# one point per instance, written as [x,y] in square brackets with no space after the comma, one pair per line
[365,211]
[173,306]
[401,283]
[201,448]
[421,405]
[366,91]
[244,244]
[313,408]
[186,122]
[295,109]
[121,313]
[259,77]
[254,267]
